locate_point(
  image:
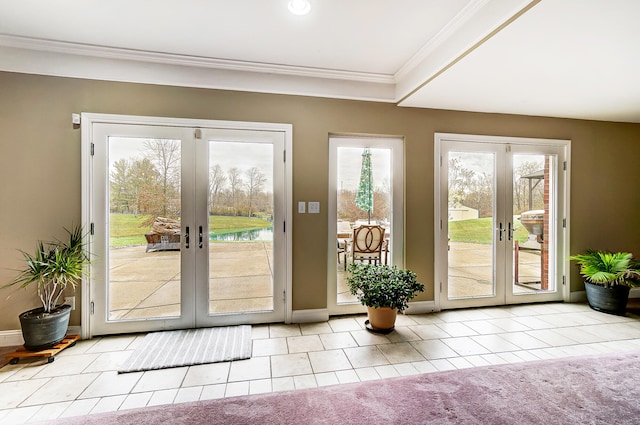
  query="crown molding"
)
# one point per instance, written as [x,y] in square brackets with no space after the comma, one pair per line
[473,26]
[189,61]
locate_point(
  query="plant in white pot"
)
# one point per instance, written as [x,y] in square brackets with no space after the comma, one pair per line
[385,290]
[608,277]
[53,268]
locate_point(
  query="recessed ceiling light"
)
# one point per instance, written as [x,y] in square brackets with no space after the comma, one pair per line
[299,7]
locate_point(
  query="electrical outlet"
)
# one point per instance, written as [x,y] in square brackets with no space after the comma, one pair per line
[70,301]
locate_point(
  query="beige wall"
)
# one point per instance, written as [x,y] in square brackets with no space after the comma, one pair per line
[40,167]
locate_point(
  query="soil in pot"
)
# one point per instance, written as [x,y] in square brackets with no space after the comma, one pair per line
[611,300]
[42,330]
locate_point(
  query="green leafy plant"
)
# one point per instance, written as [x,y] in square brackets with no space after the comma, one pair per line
[383,285]
[608,268]
[53,267]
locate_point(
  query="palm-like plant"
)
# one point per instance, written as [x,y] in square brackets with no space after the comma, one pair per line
[53,267]
[608,268]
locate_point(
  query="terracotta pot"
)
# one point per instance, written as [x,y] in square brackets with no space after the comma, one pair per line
[382,318]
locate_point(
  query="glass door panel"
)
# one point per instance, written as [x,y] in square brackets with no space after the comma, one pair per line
[241,209]
[364,174]
[535,216]
[240,227]
[144,228]
[366,188]
[471,223]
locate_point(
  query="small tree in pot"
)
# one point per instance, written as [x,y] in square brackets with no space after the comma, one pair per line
[608,278]
[385,290]
[54,267]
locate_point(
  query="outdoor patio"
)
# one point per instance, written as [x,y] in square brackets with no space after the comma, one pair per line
[147,284]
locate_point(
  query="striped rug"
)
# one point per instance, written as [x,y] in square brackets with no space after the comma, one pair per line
[160,350]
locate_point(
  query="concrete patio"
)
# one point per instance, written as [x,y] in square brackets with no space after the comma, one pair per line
[147,284]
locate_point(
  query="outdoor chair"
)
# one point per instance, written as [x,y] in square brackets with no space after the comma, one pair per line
[367,244]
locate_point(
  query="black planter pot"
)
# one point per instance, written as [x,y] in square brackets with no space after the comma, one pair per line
[611,300]
[41,331]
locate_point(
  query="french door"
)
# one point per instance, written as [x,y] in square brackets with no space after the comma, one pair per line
[365,168]
[501,208]
[188,223]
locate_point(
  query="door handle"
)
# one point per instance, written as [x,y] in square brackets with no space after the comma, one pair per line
[500,230]
[186,238]
[200,238]
[510,234]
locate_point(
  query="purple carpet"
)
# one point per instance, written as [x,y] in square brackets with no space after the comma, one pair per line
[602,389]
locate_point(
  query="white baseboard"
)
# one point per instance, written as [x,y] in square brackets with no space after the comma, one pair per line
[14,337]
[421,307]
[581,296]
[578,297]
[310,316]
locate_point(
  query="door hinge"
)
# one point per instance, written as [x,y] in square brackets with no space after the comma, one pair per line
[564,165]
[564,280]
[92,308]
[92,229]
[564,223]
[284,227]
[93,149]
[197,134]
[284,156]
[441,287]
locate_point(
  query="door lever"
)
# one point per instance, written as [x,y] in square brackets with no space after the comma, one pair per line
[200,238]
[500,230]
[186,238]
[510,234]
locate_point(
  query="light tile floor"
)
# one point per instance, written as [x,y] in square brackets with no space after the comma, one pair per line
[83,379]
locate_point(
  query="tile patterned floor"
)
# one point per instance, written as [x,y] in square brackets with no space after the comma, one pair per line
[83,379]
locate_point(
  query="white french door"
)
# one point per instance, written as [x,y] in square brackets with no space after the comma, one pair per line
[346,156]
[501,208]
[188,223]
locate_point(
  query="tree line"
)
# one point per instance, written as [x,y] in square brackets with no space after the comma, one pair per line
[476,190]
[151,185]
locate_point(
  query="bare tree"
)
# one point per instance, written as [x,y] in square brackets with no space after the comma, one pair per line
[217,180]
[165,155]
[120,187]
[528,189]
[255,182]
[143,183]
[460,180]
[235,183]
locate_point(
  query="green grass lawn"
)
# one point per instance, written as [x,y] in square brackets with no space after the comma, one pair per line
[127,229]
[481,230]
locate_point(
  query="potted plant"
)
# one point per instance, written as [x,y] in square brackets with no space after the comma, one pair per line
[385,290]
[608,278]
[54,267]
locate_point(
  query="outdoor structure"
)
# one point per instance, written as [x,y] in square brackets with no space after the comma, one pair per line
[164,235]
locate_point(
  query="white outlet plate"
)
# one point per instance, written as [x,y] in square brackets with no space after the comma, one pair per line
[70,301]
[314,207]
[301,207]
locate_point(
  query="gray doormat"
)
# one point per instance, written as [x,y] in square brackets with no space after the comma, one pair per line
[160,350]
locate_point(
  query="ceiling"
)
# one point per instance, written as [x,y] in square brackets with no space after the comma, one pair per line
[558,58]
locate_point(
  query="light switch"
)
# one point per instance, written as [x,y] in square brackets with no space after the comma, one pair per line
[301,207]
[314,207]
